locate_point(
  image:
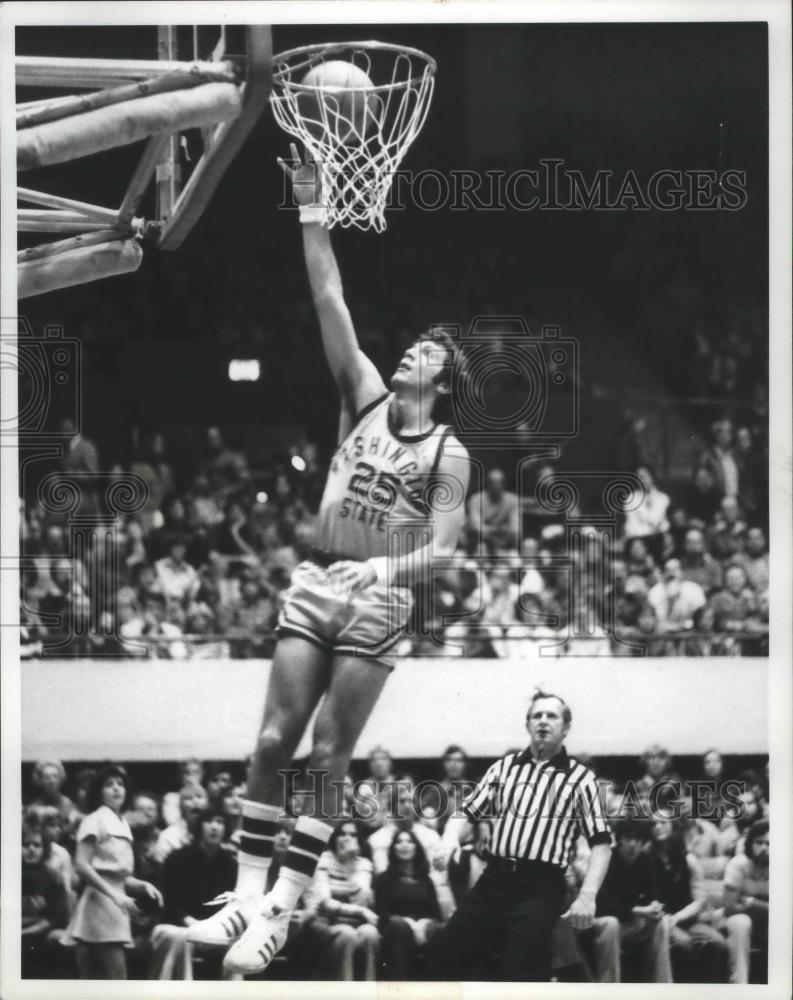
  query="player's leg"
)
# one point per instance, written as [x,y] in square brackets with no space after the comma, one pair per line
[298,677]
[354,688]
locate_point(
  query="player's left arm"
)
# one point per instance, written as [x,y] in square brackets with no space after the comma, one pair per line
[452,475]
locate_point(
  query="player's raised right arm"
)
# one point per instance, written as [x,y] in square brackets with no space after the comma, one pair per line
[358,380]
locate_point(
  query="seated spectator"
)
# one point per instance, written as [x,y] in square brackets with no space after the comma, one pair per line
[150,463]
[533,635]
[701,838]
[590,955]
[156,637]
[532,581]
[738,818]
[218,781]
[191,772]
[752,472]
[646,513]
[477,635]
[233,799]
[727,532]
[144,821]
[639,562]
[234,535]
[454,785]
[403,815]
[733,609]
[504,592]
[677,603]
[697,564]
[493,520]
[659,781]
[132,554]
[698,950]
[629,894]
[172,523]
[48,821]
[45,906]
[341,896]
[466,869]
[221,460]
[193,877]
[83,781]
[288,557]
[249,623]
[193,799]
[66,606]
[407,904]
[754,559]
[720,459]
[679,524]
[176,577]
[702,498]
[49,777]
[374,792]
[746,902]
[206,508]
[202,628]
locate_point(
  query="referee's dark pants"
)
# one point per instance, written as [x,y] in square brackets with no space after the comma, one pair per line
[502,929]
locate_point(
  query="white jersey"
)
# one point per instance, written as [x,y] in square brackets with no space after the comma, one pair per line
[379,486]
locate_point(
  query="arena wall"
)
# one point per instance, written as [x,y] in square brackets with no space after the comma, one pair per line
[157,710]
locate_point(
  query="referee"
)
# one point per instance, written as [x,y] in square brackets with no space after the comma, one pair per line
[540,801]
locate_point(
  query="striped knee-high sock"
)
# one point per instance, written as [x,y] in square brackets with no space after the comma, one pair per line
[309,840]
[259,827]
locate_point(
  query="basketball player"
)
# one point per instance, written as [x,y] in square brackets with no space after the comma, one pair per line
[348,604]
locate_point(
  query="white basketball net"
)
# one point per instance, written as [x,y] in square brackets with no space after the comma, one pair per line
[358,153]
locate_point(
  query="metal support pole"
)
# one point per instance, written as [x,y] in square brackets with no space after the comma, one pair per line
[168,169]
[80,103]
[94,74]
[31,221]
[65,246]
[94,213]
[140,179]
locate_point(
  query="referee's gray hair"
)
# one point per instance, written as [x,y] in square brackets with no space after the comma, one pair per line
[539,694]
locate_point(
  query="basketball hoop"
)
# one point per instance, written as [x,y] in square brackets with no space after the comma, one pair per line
[357,133]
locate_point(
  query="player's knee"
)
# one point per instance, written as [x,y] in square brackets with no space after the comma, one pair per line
[270,742]
[739,925]
[323,757]
[608,928]
[327,750]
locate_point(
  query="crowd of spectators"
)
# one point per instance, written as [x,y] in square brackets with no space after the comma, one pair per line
[685,899]
[199,570]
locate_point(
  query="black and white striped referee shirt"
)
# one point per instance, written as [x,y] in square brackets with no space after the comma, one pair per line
[539,808]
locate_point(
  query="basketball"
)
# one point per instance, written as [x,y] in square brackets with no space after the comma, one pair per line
[342,89]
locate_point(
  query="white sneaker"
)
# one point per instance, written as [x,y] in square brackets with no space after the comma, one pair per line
[261,942]
[227,925]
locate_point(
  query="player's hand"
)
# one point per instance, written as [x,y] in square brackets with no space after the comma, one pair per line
[581,913]
[349,578]
[152,892]
[445,854]
[654,910]
[126,903]
[306,178]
